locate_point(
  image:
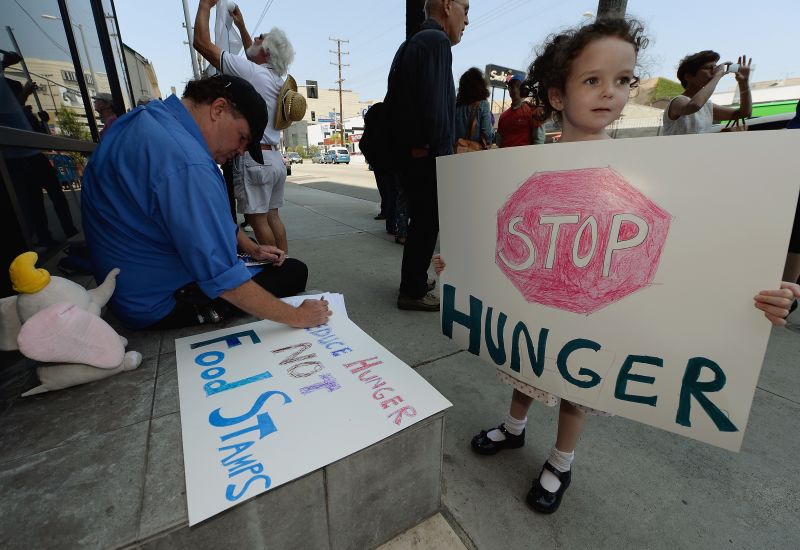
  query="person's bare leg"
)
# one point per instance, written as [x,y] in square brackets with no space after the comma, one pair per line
[570,425]
[261,228]
[791,269]
[278,230]
[520,403]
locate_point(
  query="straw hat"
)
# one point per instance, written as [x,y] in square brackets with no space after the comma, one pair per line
[291,105]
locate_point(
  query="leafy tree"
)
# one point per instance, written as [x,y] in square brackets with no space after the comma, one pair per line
[313,150]
[70,125]
[300,150]
[665,89]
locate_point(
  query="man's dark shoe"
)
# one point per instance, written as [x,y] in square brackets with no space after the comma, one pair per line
[543,500]
[429,302]
[481,443]
[380,216]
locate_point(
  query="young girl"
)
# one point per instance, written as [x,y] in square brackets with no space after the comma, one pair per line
[583,77]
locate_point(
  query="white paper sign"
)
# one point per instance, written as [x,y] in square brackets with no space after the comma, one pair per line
[620,274]
[263,404]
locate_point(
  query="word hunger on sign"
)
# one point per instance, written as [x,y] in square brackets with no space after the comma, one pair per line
[601,271]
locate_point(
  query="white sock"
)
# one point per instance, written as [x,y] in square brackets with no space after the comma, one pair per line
[513,426]
[562,462]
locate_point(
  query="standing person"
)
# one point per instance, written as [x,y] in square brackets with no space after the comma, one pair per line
[422,94]
[154,205]
[104,105]
[520,124]
[693,112]
[791,270]
[583,77]
[473,119]
[31,172]
[259,188]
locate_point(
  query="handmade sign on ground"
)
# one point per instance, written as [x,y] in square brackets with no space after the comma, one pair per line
[620,274]
[263,404]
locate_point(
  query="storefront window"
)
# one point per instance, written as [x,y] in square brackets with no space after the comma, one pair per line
[35,30]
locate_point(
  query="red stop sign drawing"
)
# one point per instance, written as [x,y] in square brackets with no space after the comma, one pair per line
[579,240]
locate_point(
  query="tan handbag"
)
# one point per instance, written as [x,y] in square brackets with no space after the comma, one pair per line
[464,145]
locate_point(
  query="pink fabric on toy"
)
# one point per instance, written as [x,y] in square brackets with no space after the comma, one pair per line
[64,333]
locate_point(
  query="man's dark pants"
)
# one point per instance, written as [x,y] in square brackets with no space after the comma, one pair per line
[193,307]
[419,181]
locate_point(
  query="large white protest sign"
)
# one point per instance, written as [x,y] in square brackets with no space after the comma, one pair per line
[620,274]
[263,404]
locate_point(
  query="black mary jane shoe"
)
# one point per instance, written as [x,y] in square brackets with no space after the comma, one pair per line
[544,501]
[483,445]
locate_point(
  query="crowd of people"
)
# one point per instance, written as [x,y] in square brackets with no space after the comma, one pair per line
[156,205]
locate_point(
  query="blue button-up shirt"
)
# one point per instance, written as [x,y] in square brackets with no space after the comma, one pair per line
[154,204]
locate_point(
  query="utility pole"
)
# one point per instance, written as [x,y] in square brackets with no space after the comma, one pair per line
[415,15]
[190,36]
[339,54]
[611,8]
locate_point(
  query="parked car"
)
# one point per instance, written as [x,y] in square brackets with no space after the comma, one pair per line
[318,158]
[295,158]
[329,158]
[340,155]
[288,164]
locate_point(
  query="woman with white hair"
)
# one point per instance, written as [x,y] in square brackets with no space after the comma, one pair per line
[258,188]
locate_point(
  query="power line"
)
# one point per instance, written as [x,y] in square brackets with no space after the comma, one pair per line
[263,13]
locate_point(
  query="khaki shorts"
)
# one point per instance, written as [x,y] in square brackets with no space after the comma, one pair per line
[258,188]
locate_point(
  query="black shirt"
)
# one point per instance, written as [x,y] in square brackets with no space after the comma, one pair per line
[421,91]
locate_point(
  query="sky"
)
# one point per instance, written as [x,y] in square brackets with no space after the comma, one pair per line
[501,32]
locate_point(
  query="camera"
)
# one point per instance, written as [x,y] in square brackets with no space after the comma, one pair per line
[732,68]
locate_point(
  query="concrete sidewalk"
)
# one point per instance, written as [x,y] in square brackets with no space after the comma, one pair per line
[633,486]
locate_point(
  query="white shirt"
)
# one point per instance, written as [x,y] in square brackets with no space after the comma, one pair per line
[267,83]
[696,123]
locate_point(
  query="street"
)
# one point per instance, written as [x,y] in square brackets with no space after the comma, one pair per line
[355,174]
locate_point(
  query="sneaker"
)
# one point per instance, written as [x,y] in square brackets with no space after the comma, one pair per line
[429,302]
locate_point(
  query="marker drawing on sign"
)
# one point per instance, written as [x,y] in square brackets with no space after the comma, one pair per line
[579,240]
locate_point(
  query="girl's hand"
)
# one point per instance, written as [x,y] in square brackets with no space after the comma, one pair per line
[438,264]
[776,303]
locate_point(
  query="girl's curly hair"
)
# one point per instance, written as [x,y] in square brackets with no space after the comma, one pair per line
[554,59]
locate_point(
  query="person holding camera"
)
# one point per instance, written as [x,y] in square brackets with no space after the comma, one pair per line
[692,112]
[521,124]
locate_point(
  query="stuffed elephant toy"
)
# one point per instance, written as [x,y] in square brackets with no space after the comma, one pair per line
[57,322]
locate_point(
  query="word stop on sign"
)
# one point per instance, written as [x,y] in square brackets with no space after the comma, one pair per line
[579,240]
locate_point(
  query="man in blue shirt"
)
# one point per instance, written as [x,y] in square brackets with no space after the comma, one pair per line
[154,204]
